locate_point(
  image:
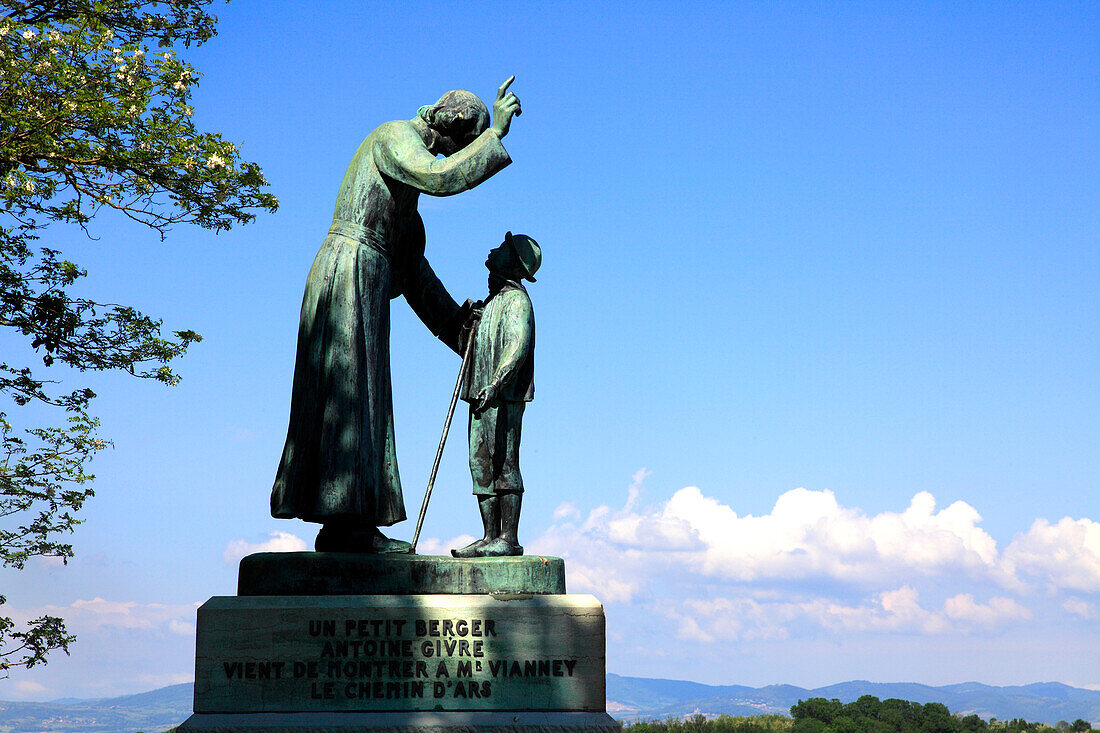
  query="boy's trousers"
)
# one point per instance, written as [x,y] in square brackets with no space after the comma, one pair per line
[494,449]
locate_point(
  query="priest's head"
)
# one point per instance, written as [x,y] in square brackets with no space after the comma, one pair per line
[455,120]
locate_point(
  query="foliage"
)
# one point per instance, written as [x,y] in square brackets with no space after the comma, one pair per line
[721,724]
[871,715]
[868,714]
[95,115]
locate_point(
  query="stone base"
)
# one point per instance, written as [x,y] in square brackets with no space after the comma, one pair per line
[387,653]
[412,722]
[340,574]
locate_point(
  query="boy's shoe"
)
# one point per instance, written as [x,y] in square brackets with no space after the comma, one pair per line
[499,547]
[471,550]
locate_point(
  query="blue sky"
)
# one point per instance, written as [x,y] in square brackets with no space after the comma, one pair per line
[817,320]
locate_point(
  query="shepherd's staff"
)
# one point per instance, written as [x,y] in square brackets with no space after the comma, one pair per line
[443,438]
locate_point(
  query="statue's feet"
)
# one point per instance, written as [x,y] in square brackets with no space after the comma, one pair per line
[332,538]
[471,550]
[337,538]
[383,545]
[499,547]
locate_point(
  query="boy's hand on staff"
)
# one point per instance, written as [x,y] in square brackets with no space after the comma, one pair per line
[470,313]
[486,398]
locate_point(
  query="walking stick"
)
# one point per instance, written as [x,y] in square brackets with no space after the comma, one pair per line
[442,441]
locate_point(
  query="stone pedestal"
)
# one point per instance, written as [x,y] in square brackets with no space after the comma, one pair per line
[395,660]
[404,723]
[336,573]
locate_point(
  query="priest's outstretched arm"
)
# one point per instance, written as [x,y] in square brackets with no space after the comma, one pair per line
[434,306]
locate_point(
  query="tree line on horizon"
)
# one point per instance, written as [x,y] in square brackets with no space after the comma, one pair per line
[868,714]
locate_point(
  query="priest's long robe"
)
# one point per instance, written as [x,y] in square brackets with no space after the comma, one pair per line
[339,460]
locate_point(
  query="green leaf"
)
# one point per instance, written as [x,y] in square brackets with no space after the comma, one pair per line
[95,100]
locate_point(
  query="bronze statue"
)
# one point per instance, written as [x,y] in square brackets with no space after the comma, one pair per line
[498,383]
[339,465]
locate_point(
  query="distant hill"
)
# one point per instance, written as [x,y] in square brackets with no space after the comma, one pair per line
[628,698]
[152,712]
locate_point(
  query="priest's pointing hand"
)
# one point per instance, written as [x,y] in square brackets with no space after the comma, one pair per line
[506,105]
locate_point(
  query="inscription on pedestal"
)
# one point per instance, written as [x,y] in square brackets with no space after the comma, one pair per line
[389,653]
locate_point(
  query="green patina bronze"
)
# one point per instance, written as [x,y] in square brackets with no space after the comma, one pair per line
[337,573]
[339,464]
[498,382]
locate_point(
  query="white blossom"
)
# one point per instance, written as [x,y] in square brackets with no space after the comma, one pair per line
[215,161]
[28,34]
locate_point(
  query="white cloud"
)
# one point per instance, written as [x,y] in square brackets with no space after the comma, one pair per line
[436,546]
[46,562]
[1078,607]
[183,628]
[1065,555]
[808,536]
[895,610]
[963,608]
[27,688]
[898,609]
[82,616]
[637,479]
[808,533]
[610,585]
[813,565]
[567,510]
[277,542]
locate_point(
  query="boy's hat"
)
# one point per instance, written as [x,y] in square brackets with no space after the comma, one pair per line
[528,252]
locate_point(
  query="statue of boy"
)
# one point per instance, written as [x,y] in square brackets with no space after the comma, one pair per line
[498,383]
